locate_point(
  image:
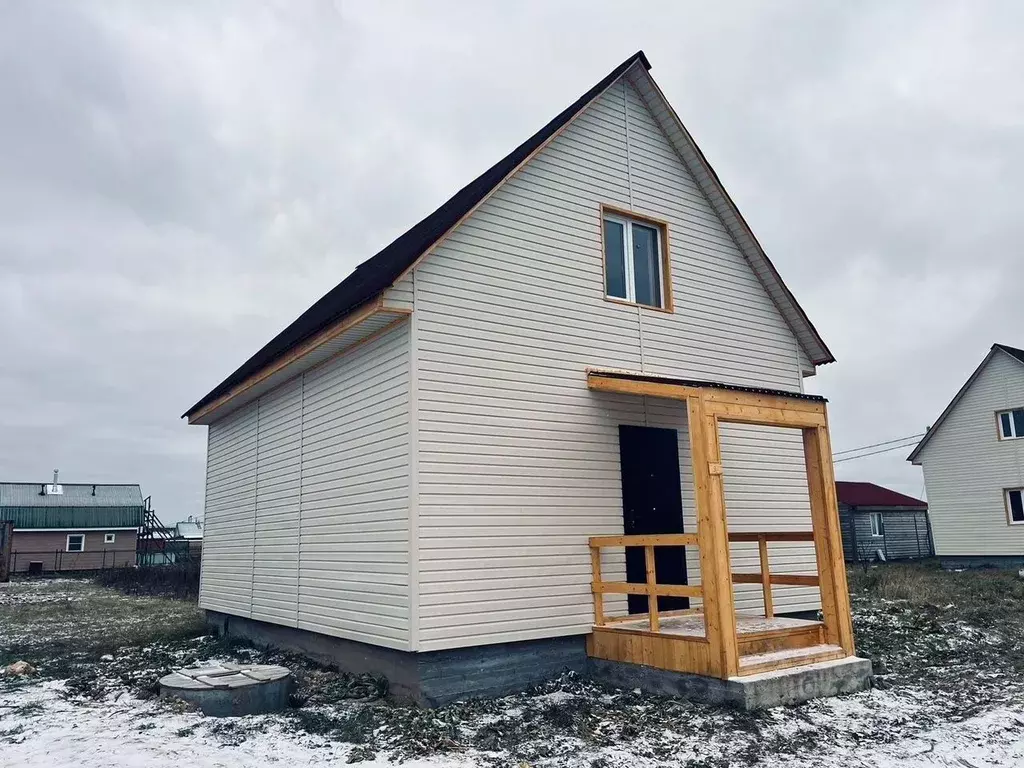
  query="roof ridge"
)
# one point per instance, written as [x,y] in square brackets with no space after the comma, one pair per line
[1012,351]
[371,278]
[374,275]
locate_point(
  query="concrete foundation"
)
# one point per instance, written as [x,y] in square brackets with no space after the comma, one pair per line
[436,678]
[761,691]
[432,678]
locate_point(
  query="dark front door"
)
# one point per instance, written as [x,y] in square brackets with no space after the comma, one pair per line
[651,504]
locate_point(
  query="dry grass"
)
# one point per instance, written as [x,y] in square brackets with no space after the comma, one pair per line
[983,597]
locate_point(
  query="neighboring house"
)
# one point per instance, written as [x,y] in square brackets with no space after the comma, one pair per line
[407,478]
[973,463]
[191,532]
[168,544]
[71,526]
[881,524]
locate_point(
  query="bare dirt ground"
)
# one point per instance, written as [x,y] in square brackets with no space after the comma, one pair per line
[950,692]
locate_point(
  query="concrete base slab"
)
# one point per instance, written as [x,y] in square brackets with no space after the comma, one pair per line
[431,678]
[760,691]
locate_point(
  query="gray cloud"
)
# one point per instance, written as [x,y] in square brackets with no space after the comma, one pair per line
[178,181]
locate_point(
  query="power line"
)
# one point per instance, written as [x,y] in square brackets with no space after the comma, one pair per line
[872,453]
[875,445]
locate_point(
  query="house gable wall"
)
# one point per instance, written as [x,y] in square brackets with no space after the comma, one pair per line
[517,461]
[966,467]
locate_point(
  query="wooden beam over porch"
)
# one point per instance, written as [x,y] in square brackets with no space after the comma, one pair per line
[744,405]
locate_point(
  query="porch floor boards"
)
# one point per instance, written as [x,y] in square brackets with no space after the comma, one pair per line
[692,625]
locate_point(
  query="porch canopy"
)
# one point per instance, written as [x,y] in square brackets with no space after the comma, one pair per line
[718,652]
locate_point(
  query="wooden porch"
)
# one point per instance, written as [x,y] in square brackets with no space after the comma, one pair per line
[712,639]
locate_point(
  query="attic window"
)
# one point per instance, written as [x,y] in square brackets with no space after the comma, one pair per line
[1015,506]
[1011,424]
[635,260]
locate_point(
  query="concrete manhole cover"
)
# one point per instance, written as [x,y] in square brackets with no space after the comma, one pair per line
[227,690]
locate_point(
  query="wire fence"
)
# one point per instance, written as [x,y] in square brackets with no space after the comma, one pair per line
[38,562]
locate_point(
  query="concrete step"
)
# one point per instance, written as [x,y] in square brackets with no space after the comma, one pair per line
[789,657]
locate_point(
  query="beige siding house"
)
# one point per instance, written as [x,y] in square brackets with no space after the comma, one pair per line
[973,463]
[417,462]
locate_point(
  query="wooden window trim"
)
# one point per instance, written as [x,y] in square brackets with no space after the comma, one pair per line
[999,427]
[67,543]
[666,260]
[109,538]
[1006,504]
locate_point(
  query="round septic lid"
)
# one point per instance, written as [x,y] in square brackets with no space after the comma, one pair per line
[230,689]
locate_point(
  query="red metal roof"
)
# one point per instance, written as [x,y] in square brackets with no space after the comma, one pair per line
[871,495]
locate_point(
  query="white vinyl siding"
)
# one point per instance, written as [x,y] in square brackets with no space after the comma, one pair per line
[400,295]
[354,574]
[307,500]
[518,461]
[228,536]
[967,467]
[279,453]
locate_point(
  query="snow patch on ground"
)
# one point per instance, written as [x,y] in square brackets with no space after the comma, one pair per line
[41,729]
[949,692]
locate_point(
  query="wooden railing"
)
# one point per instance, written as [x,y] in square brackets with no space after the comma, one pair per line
[764,576]
[651,587]
[654,590]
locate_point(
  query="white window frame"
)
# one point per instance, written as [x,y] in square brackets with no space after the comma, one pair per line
[1013,424]
[109,538]
[627,223]
[1009,509]
[67,543]
[877,525]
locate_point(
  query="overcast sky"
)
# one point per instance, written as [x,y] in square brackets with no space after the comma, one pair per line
[178,181]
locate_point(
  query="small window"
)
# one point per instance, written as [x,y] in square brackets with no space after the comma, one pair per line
[108,538]
[1011,424]
[877,524]
[1015,505]
[634,261]
[76,542]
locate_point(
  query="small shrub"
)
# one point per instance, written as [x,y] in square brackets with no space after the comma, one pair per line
[178,580]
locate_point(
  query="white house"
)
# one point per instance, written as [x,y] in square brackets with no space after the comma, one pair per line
[408,476]
[973,463]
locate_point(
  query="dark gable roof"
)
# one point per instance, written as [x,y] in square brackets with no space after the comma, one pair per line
[1014,352]
[871,495]
[376,274]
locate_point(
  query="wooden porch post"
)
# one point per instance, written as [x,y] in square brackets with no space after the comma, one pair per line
[715,573]
[828,543]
